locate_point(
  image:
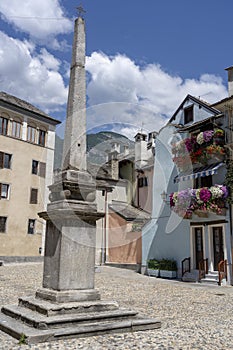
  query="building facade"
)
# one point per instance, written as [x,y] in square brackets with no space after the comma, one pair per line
[27,137]
[192,217]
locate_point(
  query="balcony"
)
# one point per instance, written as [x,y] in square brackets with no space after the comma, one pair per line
[199,201]
[201,149]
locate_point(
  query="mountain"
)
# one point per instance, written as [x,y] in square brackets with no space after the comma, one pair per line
[98,146]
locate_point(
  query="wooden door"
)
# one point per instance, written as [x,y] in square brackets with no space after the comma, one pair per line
[198,245]
[218,246]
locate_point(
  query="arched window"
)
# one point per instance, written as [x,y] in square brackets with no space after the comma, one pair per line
[31,133]
[3,126]
[41,137]
[16,128]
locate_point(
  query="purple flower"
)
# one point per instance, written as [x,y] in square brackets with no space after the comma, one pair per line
[225,191]
[205,194]
[207,135]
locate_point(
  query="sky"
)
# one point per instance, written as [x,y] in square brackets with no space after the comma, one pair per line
[142,58]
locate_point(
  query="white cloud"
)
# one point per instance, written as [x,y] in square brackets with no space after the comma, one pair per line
[31,76]
[132,94]
[41,19]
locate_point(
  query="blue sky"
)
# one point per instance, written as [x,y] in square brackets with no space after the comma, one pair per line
[143,58]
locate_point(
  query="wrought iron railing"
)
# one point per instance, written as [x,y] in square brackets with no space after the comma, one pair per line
[203,268]
[222,271]
[186,265]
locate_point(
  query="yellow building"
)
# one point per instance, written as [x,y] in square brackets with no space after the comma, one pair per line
[27,138]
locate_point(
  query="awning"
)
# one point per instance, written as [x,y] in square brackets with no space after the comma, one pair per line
[198,172]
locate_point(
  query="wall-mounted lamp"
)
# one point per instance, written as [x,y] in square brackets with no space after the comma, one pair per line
[163,196]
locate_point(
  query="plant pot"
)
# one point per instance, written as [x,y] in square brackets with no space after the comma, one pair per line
[188,216]
[223,212]
[152,272]
[201,213]
[168,274]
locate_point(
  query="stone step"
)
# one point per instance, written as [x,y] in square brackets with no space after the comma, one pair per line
[48,308]
[209,280]
[39,321]
[211,277]
[32,335]
[189,277]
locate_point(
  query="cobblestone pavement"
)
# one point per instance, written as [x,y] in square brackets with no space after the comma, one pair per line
[193,316]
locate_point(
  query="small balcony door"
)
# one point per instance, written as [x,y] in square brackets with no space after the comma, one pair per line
[218,246]
[198,246]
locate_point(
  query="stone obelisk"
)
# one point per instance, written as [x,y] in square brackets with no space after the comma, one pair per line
[74,149]
[68,305]
[71,216]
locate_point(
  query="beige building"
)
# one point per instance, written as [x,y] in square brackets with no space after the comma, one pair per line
[27,137]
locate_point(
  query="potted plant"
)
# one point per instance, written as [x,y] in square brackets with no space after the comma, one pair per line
[168,268]
[153,267]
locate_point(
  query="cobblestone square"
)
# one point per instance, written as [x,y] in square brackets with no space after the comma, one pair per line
[193,316]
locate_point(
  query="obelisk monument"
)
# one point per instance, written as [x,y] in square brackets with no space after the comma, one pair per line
[71,216]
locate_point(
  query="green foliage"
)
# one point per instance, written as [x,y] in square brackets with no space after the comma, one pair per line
[169,265]
[229,180]
[153,264]
[22,339]
[164,264]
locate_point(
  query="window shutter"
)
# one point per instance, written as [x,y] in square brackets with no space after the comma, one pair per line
[42,171]
[34,195]
[1,160]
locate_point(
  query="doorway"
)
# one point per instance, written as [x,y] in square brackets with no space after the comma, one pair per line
[218,245]
[198,245]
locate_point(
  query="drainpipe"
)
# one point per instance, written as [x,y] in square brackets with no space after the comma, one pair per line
[104,238]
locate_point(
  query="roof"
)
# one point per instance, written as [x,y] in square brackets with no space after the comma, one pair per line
[196,100]
[128,212]
[26,106]
[226,99]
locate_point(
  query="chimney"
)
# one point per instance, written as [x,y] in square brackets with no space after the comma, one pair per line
[141,153]
[116,147]
[230,80]
[114,164]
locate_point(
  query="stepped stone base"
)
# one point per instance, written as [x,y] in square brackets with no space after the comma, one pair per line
[40,320]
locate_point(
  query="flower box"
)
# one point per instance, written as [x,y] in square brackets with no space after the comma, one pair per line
[154,273]
[199,201]
[168,274]
[222,212]
[201,213]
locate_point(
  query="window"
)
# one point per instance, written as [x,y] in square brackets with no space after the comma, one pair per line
[188,115]
[31,133]
[31,226]
[5,160]
[16,129]
[4,190]
[205,181]
[41,138]
[33,196]
[35,166]
[3,126]
[38,168]
[3,220]
[142,182]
